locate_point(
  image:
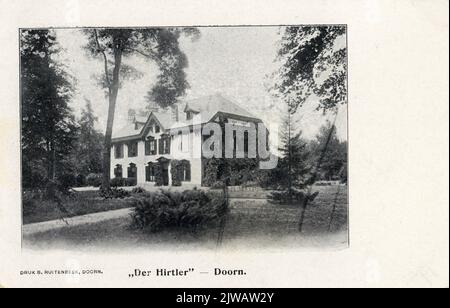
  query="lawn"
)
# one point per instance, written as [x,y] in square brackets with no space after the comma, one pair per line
[80,203]
[250,223]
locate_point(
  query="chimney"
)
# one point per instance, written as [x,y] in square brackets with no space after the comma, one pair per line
[131,115]
[175,115]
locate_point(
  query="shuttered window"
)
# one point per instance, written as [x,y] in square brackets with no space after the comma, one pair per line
[150,172]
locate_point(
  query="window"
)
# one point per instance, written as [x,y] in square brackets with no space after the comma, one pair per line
[119,150]
[190,115]
[180,141]
[150,147]
[157,129]
[186,171]
[132,171]
[150,172]
[246,143]
[185,142]
[164,145]
[118,173]
[133,149]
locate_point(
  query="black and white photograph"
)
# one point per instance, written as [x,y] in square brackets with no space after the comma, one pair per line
[184,137]
[224,152]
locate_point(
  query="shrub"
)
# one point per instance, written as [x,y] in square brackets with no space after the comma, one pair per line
[94,179]
[130,182]
[114,193]
[251,184]
[218,185]
[66,181]
[190,210]
[176,172]
[30,199]
[138,190]
[117,182]
[81,180]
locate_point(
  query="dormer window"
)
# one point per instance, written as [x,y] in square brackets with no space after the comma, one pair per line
[190,114]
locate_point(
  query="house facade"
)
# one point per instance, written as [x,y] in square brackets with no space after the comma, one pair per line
[164,147]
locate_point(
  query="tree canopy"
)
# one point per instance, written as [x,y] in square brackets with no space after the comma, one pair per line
[48,127]
[87,154]
[313,62]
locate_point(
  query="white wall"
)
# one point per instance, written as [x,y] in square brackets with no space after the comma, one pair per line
[187,153]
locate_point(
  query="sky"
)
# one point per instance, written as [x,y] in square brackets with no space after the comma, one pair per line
[235,62]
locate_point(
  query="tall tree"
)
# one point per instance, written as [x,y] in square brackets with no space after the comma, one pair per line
[89,146]
[332,151]
[48,128]
[293,173]
[313,62]
[159,45]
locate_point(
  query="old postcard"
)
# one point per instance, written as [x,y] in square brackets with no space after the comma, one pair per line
[214,151]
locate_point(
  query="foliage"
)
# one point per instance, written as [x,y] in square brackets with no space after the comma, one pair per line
[66,181]
[30,201]
[138,190]
[159,180]
[293,173]
[123,182]
[210,174]
[343,173]
[94,179]
[48,127]
[189,209]
[118,182]
[177,171]
[217,185]
[313,62]
[114,193]
[329,154]
[234,171]
[87,154]
[131,182]
[298,196]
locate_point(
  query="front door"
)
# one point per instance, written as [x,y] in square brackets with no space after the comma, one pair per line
[165,174]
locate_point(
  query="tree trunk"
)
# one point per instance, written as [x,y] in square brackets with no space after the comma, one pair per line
[113,91]
[289,157]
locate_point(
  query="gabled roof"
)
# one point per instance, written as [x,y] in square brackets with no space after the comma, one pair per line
[207,107]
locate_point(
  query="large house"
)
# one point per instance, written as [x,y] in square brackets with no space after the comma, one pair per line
[147,149]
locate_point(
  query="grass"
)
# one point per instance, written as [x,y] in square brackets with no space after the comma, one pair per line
[251,222]
[81,203]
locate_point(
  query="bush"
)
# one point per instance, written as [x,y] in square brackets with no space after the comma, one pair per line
[251,184]
[218,185]
[30,199]
[131,182]
[190,210]
[67,181]
[114,193]
[138,190]
[117,182]
[81,180]
[293,195]
[94,179]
